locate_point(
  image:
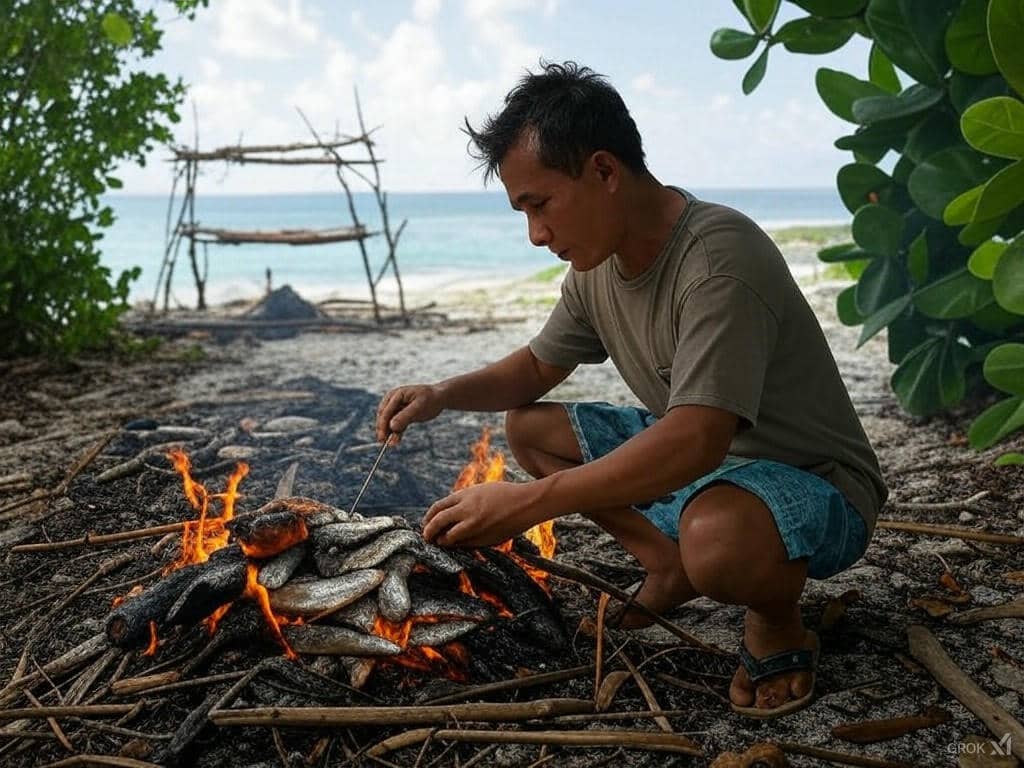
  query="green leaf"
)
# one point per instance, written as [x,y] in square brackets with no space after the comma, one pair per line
[939,130]
[860,184]
[814,35]
[1005,32]
[846,307]
[733,44]
[877,229]
[977,232]
[1009,459]
[995,127]
[995,320]
[881,72]
[842,252]
[917,258]
[914,100]
[996,422]
[1002,193]
[756,72]
[931,376]
[760,13]
[912,34]
[831,8]
[953,296]
[116,28]
[967,43]
[966,90]
[882,318]
[939,179]
[960,209]
[1004,368]
[982,262]
[881,283]
[1008,278]
[839,90]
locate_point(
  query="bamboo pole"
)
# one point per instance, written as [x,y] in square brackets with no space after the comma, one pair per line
[320,717]
[105,538]
[642,740]
[928,529]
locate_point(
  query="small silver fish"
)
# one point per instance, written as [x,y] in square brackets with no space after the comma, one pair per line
[361,615]
[316,597]
[440,633]
[350,533]
[437,558]
[454,604]
[337,641]
[380,549]
[275,573]
[393,593]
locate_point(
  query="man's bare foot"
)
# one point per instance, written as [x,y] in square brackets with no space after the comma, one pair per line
[764,638]
[660,592]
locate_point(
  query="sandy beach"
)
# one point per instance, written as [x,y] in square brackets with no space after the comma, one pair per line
[51,415]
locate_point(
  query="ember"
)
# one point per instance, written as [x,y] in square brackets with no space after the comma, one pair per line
[333,583]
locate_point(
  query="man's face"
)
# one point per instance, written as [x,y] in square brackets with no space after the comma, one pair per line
[575,218]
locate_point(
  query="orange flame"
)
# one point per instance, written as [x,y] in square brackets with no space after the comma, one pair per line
[448,660]
[488,466]
[205,535]
[257,592]
[154,641]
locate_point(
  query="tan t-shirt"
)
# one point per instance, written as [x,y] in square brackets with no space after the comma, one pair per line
[718,320]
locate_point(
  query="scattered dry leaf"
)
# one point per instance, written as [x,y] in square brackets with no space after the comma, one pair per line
[932,606]
[835,611]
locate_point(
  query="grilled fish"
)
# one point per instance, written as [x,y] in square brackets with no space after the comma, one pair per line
[393,595]
[309,597]
[351,533]
[275,573]
[371,554]
[337,641]
[440,633]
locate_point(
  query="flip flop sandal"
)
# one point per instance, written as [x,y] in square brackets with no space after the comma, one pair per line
[759,670]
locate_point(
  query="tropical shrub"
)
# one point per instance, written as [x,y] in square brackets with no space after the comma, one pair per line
[74,102]
[938,240]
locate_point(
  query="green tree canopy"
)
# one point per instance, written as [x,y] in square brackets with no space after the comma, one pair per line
[74,102]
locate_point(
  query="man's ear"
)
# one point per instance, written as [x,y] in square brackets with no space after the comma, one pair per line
[606,167]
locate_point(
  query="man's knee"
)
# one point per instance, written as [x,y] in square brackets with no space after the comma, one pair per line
[706,546]
[537,431]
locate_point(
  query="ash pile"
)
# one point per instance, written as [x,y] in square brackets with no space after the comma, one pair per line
[368,590]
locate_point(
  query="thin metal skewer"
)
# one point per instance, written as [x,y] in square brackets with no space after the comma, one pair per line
[366,482]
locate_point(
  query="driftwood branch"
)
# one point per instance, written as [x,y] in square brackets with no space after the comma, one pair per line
[1011,610]
[580,576]
[84,710]
[872,731]
[929,652]
[101,539]
[321,717]
[940,506]
[238,151]
[951,531]
[641,740]
[841,758]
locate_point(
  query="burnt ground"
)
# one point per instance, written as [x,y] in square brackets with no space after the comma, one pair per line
[51,416]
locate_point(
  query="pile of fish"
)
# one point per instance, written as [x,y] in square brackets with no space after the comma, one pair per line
[342,574]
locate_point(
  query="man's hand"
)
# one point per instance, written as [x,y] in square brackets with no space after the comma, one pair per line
[404,405]
[483,515]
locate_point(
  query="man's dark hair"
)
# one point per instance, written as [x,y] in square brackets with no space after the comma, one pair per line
[574,111]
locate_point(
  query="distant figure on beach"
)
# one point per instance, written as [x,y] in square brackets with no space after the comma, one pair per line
[748,471]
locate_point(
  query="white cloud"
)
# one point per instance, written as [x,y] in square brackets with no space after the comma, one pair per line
[425,10]
[263,29]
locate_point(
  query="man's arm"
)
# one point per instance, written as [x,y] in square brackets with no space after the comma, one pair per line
[688,442]
[515,380]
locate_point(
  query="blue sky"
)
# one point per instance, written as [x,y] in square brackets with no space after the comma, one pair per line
[422,65]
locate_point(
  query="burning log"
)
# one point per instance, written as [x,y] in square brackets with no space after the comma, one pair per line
[221,583]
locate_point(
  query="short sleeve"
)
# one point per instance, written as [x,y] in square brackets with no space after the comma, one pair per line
[567,338]
[726,338]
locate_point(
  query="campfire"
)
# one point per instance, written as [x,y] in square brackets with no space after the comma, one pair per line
[330,582]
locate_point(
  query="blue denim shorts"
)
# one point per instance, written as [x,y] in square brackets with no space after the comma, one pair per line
[813,517]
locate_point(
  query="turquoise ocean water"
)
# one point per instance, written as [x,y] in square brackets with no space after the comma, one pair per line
[449,238]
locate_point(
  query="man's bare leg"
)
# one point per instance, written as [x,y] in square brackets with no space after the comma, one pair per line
[729,550]
[543,442]
[733,554]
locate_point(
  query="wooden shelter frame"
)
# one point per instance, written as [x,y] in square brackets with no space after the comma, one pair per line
[186,228]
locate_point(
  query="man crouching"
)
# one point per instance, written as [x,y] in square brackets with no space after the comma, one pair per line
[748,471]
